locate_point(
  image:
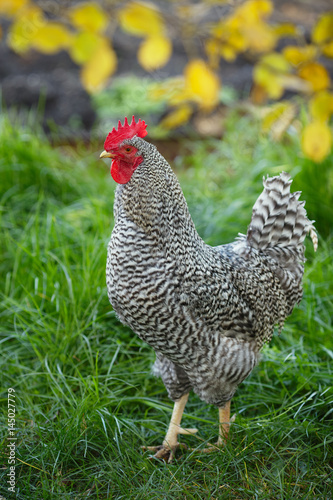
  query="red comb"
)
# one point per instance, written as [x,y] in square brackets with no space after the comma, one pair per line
[125,131]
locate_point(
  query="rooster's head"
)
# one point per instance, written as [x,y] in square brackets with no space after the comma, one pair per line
[125,157]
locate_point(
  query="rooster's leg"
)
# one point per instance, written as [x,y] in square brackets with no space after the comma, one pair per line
[224,419]
[224,426]
[170,444]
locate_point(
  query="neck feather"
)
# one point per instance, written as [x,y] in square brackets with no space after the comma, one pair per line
[154,200]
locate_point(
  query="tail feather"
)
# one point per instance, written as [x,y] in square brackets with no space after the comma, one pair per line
[278,218]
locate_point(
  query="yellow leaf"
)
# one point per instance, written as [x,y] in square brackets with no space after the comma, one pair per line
[249,18]
[228,52]
[275,62]
[201,83]
[278,118]
[163,89]
[234,36]
[271,115]
[260,36]
[253,11]
[270,74]
[177,117]
[11,8]
[227,41]
[316,141]
[51,37]
[171,90]
[285,29]
[99,68]
[89,17]
[321,105]
[83,45]
[24,28]
[316,75]
[154,52]
[328,49]
[141,19]
[297,55]
[323,29]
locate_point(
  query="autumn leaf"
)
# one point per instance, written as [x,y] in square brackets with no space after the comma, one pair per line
[11,8]
[260,37]
[51,37]
[249,18]
[297,55]
[253,11]
[270,74]
[227,50]
[285,29]
[323,29]
[316,141]
[278,118]
[100,67]
[141,19]
[83,45]
[24,28]
[171,90]
[177,117]
[243,30]
[226,41]
[201,83]
[89,17]
[327,49]
[321,105]
[154,52]
[315,74]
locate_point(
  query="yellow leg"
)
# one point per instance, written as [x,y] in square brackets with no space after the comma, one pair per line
[224,426]
[224,419]
[170,443]
[174,429]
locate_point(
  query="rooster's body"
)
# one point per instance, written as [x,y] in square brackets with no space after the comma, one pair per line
[206,311]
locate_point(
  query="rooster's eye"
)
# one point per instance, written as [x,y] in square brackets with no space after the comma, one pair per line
[128,150]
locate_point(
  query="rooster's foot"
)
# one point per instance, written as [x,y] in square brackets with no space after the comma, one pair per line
[164,452]
[223,435]
[167,450]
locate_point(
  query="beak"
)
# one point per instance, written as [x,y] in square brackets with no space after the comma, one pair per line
[105,154]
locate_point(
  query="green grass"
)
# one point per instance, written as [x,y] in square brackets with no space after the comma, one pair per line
[85,396]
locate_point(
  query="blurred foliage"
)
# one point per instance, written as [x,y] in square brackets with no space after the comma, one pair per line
[86,30]
[112,102]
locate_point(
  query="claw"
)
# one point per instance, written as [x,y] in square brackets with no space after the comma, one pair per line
[163,452]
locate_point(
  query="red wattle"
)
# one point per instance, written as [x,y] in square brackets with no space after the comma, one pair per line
[122,171]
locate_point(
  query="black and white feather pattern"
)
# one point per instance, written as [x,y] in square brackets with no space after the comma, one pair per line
[278,218]
[206,311]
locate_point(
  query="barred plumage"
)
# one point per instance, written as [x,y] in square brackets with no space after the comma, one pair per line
[205,311]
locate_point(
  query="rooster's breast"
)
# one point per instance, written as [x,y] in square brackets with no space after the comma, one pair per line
[141,283]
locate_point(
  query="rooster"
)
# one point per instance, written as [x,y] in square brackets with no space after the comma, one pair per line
[206,311]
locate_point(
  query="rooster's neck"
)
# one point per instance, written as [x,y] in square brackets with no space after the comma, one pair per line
[154,201]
